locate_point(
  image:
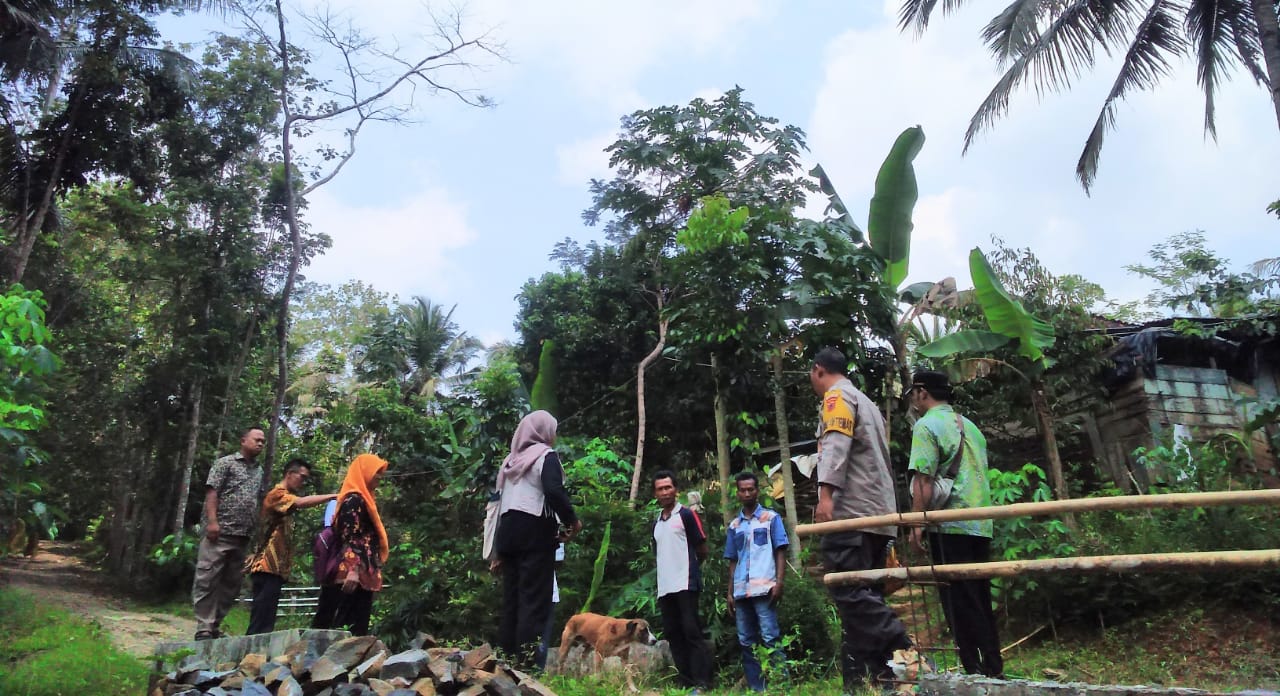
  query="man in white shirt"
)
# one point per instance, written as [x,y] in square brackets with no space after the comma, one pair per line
[681,546]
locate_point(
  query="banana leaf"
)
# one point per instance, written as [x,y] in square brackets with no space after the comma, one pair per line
[966,341]
[1005,315]
[889,222]
[835,206]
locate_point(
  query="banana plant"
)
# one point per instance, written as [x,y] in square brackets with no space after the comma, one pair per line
[889,228]
[1008,322]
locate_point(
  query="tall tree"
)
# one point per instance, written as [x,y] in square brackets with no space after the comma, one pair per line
[1050,43]
[56,133]
[417,347]
[358,98]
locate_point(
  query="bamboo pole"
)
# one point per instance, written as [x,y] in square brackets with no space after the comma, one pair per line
[1270,496]
[1133,563]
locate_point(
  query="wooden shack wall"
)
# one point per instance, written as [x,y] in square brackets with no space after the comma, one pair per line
[1201,399]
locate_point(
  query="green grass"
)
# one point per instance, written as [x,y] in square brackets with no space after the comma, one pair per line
[49,652]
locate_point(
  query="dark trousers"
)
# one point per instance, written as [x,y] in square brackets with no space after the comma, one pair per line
[266,597]
[327,607]
[967,603]
[354,610]
[683,631]
[871,631]
[526,603]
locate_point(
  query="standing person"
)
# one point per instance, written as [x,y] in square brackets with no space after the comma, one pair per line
[269,567]
[854,481]
[362,541]
[330,594]
[756,545]
[681,546]
[531,482]
[939,438]
[230,510]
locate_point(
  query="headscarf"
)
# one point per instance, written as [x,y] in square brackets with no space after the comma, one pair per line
[359,474]
[530,442]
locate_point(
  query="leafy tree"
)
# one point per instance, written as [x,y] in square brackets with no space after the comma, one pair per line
[1193,279]
[56,133]
[1050,43]
[418,347]
[365,94]
[27,364]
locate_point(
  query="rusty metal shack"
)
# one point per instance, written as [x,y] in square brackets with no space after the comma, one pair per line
[1167,383]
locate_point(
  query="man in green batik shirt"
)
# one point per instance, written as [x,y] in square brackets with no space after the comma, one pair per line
[935,440]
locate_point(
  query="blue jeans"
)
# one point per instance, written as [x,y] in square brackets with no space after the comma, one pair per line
[757,623]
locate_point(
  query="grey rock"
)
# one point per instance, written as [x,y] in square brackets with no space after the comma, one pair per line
[409,664]
[289,687]
[502,685]
[350,652]
[325,671]
[206,678]
[352,690]
[372,667]
[254,689]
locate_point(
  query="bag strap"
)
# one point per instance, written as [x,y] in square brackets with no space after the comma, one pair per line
[953,466]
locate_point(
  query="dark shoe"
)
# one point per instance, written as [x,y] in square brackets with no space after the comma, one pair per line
[205,635]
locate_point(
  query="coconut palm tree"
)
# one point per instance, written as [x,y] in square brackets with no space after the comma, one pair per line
[419,346]
[1049,43]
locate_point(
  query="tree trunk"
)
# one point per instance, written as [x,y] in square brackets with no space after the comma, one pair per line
[189,460]
[233,378]
[1044,417]
[28,230]
[1264,13]
[722,440]
[784,448]
[295,256]
[640,411]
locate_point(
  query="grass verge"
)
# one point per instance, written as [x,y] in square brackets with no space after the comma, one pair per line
[49,652]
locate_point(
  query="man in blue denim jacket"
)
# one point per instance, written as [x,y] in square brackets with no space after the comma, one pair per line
[755,544]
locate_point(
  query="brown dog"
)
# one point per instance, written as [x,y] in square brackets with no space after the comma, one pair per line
[607,635]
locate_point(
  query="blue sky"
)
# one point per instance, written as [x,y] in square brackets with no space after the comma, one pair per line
[464,205]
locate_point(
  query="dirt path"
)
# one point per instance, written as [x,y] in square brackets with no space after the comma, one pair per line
[57,576]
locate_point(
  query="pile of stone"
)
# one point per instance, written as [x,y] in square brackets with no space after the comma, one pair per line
[353,666]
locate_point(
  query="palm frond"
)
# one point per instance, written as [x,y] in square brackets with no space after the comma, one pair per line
[1145,63]
[1059,54]
[1209,28]
[1009,33]
[1244,33]
[1265,268]
[915,14]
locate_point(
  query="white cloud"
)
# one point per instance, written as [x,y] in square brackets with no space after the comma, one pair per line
[580,161]
[402,249]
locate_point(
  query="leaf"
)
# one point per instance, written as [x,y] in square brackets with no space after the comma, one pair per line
[914,292]
[834,204]
[1005,315]
[889,221]
[966,341]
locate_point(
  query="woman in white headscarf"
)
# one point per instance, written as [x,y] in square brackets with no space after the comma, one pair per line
[534,504]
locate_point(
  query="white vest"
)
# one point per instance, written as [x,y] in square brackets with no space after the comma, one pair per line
[525,494]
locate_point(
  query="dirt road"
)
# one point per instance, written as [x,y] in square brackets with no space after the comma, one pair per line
[55,575]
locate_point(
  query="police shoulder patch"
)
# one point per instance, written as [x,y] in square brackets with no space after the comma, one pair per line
[836,414]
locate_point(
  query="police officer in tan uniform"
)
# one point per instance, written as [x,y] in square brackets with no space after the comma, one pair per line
[854,481]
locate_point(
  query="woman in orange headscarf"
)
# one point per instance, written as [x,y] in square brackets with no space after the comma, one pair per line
[363,541]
